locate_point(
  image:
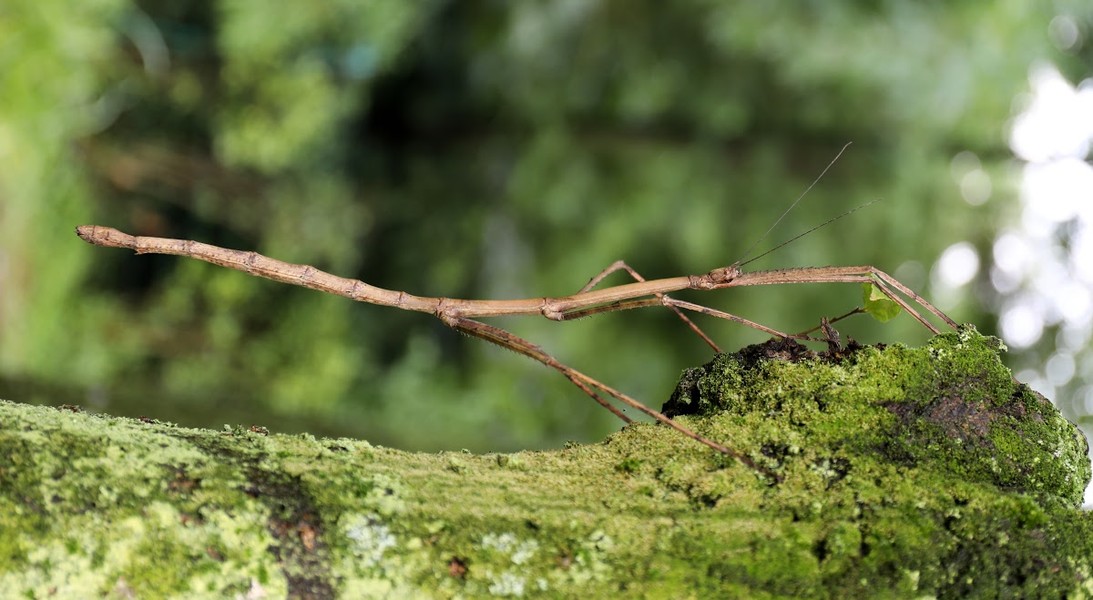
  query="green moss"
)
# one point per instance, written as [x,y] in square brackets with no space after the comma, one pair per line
[905,472]
[951,406]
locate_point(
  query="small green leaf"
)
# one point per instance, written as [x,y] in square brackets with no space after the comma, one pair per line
[877,303]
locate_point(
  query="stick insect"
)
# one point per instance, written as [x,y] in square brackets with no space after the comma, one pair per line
[462,315]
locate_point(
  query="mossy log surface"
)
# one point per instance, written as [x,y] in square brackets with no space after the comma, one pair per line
[905,473]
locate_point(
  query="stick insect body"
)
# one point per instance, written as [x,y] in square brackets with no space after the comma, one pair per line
[461,314]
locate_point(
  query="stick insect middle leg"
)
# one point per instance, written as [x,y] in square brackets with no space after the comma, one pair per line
[620,265]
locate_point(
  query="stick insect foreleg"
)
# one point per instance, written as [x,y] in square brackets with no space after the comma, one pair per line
[888,279]
[860,274]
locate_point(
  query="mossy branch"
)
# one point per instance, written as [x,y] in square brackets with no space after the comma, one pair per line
[906,472]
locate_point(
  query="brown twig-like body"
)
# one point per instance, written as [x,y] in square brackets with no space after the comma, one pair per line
[460,314]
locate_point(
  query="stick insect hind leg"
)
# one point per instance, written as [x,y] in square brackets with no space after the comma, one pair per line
[588,385]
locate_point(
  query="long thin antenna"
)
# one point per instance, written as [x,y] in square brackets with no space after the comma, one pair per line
[791,207]
[801,235]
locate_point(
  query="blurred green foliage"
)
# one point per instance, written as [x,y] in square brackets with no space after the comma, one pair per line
[466,149]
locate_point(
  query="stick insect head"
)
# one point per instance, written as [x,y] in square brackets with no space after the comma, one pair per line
[717,278]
